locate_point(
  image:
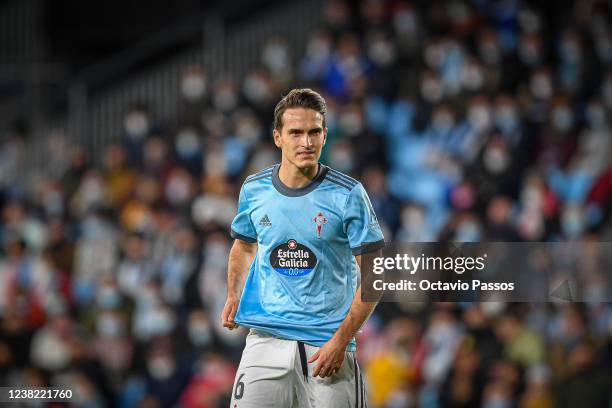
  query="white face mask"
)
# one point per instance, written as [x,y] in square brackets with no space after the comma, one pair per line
[541,86]
[432,90]
[225,99]
[351,123]
[480,117]
[193,86]
[342,158]
[178,189]
[319,48]
[275,56]
[472,77]
[200,333]
[187,143]
[382,52]
[161,368]
[249,132]
[136,125]
[496,159]
[109,326]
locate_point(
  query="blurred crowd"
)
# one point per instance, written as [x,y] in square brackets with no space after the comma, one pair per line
[465,120]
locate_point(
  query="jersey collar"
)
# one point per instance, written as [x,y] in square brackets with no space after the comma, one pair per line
[297,192]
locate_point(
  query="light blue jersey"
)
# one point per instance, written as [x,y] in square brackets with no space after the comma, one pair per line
[304,276]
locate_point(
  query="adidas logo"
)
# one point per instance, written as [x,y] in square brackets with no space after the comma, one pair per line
[265,221]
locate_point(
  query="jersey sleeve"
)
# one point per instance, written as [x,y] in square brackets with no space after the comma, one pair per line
[360,223]
[242,227]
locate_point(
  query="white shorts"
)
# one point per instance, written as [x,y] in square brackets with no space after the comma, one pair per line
[274,372]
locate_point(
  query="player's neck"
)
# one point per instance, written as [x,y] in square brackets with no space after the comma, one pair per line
[295,177]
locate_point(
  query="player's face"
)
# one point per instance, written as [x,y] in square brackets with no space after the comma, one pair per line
[302,137]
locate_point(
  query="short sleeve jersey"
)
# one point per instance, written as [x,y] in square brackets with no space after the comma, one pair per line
[304,276]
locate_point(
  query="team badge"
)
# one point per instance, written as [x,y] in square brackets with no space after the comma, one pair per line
[320,220]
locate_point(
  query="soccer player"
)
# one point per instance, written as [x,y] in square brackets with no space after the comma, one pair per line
[300,231]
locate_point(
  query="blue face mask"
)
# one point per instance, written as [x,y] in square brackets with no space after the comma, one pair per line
[199,335]
[108,298]
[468,232]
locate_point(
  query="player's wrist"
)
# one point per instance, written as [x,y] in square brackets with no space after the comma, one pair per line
[342,339]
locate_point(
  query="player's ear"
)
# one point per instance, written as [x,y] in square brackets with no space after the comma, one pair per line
[324,135]
[277,137]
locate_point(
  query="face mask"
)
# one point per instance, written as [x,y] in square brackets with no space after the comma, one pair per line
[541,86]
[342,158]
[351,123]
[225,100]
[432,90]
[480,117]
[506,119]
[440,332]
[199,334]
[472,77]
[532,197]
[108,298]
[434,55]
[319,48]
[529,54]
[53,202]
[570,51]
[442,122]
[490,53]
[562,119]
[249,132]
[492,309]
[178,189]
[468,232]
[412,218]
[275,57]
[497,402]
[161,368]
[529,21]
[596,116]
[405,22]
[572,222]
[160,322]
[92,191]
[136,125]
[495,159]
[256,89]
[109,326]
[458,12]
[147,299]
[382,52]
[193,87]
[187,143]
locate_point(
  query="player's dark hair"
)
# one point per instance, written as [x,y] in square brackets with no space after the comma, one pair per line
[299,98]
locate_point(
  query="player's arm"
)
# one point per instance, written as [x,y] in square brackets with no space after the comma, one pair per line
[365,237]
[331,356]
[240,258]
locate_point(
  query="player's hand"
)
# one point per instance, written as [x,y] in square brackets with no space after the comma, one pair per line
[330,358]
[229,312]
